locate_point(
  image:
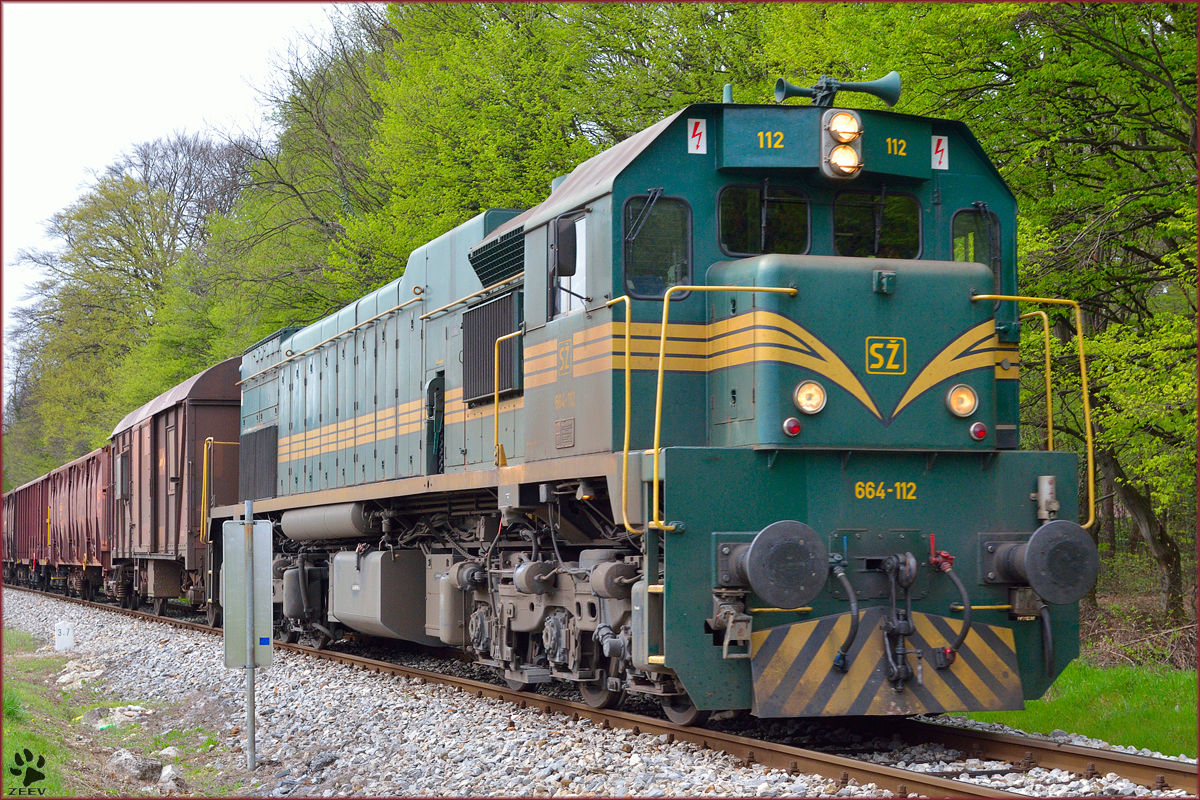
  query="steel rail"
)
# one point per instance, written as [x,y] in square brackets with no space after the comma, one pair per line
[1025,753]
[1156,773]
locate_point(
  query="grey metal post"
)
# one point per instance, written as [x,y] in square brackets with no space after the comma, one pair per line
[249,518]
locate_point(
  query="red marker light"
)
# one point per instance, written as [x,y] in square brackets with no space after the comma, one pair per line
[791,426]
[977,431]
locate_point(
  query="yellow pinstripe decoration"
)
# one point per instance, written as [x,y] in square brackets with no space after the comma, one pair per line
[758,336]
[973,350]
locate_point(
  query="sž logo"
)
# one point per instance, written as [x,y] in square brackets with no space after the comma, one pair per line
[23,763]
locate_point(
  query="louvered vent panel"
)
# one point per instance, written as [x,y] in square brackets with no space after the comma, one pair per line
[258,456]
[500,258]
[482,326]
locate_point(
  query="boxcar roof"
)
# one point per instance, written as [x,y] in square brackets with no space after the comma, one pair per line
[80,460]
[214,383]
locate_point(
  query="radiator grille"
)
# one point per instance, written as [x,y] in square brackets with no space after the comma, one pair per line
[258,456]
[500,258]
[482,326]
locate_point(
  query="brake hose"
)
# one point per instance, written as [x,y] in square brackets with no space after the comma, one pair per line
[1047,639]
[944,562]
[966,601]
[841,660]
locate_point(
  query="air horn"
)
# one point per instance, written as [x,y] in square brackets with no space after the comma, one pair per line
[886,89]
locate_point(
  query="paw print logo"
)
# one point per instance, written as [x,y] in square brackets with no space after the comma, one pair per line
[33,772]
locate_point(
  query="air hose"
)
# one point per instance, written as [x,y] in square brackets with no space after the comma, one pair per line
[1047,639]
[943,561]
[966,602]
[841,661]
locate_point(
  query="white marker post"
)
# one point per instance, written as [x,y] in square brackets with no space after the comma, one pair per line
[247,579]
[249,518]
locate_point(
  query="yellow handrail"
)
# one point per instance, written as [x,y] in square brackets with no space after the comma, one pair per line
[485,290]
[1087,406]
[655,522]
[779,610]
[1046,348]
[628,394]
[208,444]
[291,356]
[500,460]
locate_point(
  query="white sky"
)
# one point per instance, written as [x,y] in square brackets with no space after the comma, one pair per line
[84,81]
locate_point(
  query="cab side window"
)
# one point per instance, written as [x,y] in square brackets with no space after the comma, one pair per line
[568,264]
[877,225]
[658,244]
[751,224]
[975,234]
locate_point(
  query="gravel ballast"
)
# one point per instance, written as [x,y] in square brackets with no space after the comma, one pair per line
[325,730]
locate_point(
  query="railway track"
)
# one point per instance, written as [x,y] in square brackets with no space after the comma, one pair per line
[1023,753]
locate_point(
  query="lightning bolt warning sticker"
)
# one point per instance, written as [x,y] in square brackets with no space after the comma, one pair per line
[941,153]
[697,142]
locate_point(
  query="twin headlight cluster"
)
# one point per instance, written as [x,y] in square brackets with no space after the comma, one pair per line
[809,397]
[841,144]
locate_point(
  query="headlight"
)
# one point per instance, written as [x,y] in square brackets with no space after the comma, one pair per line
[809,397]
[844,127]
[961,400]
[844,159]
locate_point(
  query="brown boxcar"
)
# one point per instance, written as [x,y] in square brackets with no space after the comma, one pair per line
[26,533]
[157,473]
[56,526]
[79,521]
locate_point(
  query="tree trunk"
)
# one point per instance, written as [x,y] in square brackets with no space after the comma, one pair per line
[1162,544]
[1108,510]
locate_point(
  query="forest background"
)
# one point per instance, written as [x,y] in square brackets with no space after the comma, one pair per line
[407,119]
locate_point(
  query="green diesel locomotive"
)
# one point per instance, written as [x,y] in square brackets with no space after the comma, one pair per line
[730,419]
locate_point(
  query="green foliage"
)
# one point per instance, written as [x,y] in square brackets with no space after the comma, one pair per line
[408,119]
[1089,112]
[1114,705]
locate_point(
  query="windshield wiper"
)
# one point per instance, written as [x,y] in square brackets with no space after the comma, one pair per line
[644,215]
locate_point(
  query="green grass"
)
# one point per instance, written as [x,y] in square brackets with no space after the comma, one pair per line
[1140,706]
[23,730]
[44,718]
[16,641]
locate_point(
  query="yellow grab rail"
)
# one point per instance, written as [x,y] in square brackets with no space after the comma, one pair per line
[499,458]
[473,295]
[208,445]
[1087,406]
[628,393]
[655,522]
[290,356]
[1046,349]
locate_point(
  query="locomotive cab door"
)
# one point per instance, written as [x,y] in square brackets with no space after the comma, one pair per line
[435,425]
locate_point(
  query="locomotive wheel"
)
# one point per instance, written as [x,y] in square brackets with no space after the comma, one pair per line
[213,615]
[321,641]
[285,633]
[518,686]
[682,711]
[160,606]
[597,695]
